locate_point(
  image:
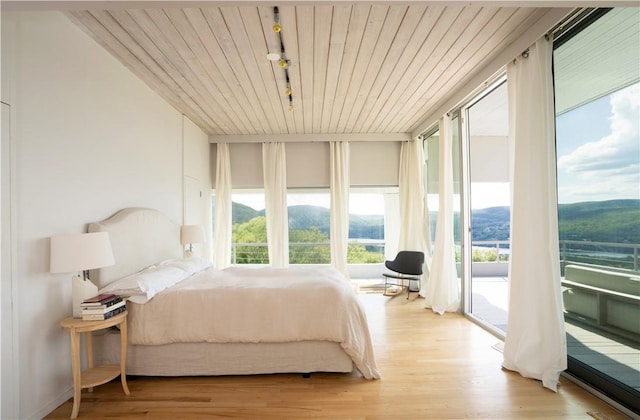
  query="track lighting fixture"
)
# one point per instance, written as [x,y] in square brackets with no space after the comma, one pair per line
[283,61]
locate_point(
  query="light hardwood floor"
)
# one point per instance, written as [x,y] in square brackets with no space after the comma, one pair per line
[432,367]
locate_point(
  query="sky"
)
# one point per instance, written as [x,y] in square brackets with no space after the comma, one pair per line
[598,149]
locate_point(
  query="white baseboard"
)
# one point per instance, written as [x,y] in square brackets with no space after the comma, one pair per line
[52,405]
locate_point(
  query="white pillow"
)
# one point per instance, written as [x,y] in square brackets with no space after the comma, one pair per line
[189,265]
[140,287]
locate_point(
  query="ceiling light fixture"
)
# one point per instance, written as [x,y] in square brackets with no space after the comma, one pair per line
[283,61]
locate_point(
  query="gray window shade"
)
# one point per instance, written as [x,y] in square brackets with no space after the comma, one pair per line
[373,164]
[246,165]
[610,47]
[308,165]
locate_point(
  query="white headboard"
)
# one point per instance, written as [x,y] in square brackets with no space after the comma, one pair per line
[139,238]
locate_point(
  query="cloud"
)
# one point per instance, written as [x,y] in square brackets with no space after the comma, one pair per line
[608,168]
[601,185]
[620,148]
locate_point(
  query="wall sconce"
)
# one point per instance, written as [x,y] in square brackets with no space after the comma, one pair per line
[189,235]
[80,253]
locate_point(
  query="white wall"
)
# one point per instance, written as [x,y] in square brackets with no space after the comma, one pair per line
[90,138]
[197,184]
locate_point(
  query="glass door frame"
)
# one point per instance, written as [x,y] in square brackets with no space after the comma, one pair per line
[466,238]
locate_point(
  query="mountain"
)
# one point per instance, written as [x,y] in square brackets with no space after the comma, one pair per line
[304,217]
[490,224]
[242,214]
[366,226]
[601,221]
[615,221]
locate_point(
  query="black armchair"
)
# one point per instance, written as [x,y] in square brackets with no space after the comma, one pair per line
[407,266]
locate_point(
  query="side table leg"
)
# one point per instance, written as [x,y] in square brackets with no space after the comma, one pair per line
[77,372]
[88,340]
[123,355]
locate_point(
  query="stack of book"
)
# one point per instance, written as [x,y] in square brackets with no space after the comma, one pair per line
[102,307]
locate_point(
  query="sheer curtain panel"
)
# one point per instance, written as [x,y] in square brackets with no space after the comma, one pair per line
[412,199]
[535,344]
[442,291]
[222,228]
[274,164]
[339,216]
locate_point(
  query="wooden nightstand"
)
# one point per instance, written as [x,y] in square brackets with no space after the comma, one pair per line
[99,375]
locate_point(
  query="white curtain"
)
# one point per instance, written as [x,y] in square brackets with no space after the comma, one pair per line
[274,166]
[442,291]
[222,228]
[535,344]
[339,216]
[412,199]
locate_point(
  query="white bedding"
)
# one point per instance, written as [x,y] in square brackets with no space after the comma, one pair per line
[140,287]
[257,305]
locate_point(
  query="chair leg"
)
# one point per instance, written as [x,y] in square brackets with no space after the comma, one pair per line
[409,287]
[386,286]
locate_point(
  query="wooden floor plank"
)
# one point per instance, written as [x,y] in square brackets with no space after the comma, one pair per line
[432,367]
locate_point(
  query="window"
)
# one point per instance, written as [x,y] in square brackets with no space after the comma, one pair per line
[598,166]
[366,226]
[249,231]
[309,232]
[308,212]
[374,191]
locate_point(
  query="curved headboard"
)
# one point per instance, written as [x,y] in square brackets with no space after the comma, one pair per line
[139,238]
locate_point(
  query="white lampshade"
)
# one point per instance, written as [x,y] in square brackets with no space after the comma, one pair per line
[80,252]
[191,234]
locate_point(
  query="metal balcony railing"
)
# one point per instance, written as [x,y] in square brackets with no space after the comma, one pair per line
[305,252]
[609,254]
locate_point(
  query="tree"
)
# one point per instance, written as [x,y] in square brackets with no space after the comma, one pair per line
[317,252]
[306,246]
[358,254]
[252,232]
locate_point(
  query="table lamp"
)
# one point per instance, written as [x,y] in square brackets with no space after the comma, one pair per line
[189,235]
[81,253]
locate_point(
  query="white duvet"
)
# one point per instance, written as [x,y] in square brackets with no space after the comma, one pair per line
[254,305]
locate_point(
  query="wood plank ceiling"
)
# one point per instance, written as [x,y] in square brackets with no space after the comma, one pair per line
[353,68]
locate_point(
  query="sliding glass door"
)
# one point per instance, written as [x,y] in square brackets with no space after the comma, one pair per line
[597,94]
[486,210]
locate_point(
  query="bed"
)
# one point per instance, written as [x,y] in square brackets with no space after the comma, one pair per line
[187,318]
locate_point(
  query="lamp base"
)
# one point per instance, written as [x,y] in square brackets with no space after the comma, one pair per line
[81,289]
